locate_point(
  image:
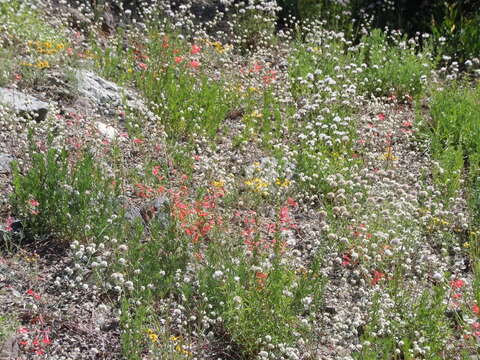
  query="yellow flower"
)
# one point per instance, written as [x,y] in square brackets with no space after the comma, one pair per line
[256,114]
[218,183]
[42,64]
[152,335]
[389,155]
[285,183]
[257,185]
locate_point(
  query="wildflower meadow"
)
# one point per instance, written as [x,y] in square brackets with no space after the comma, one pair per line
[239,180]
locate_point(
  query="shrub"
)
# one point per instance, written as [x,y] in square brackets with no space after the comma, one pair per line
[63,198]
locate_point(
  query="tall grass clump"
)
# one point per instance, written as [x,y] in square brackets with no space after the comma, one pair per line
[454,128]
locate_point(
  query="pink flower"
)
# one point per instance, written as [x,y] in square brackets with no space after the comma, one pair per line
[195,49]
[381,116]
[138,141]
[23,330]
[8,224]
[143,66]
[194,64]
[69,51]
[407,124]
[178,59]
[33,203]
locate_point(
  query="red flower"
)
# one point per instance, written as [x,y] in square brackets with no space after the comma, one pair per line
[195,49]
[143,66]
[257,67]
[34,294]
[346,260]
[381,116]
[138,141]
[292,202]
[260,275]
[178,59]
[407,124]
[457,284]
[377,276]
[194,64]
[476,309]
[46,340]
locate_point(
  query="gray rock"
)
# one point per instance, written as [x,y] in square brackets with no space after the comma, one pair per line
[23,104]
[9,349]
[104,94]
[98,90]
[5,160]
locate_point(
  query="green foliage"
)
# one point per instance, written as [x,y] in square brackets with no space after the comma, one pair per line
[455,115]
[256,304]
[159,259]
[411,319]
[187,101]
[333,13]
[254,25]
[8,325]
[459,31]
[393,69]
[63,197]
[455,126]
